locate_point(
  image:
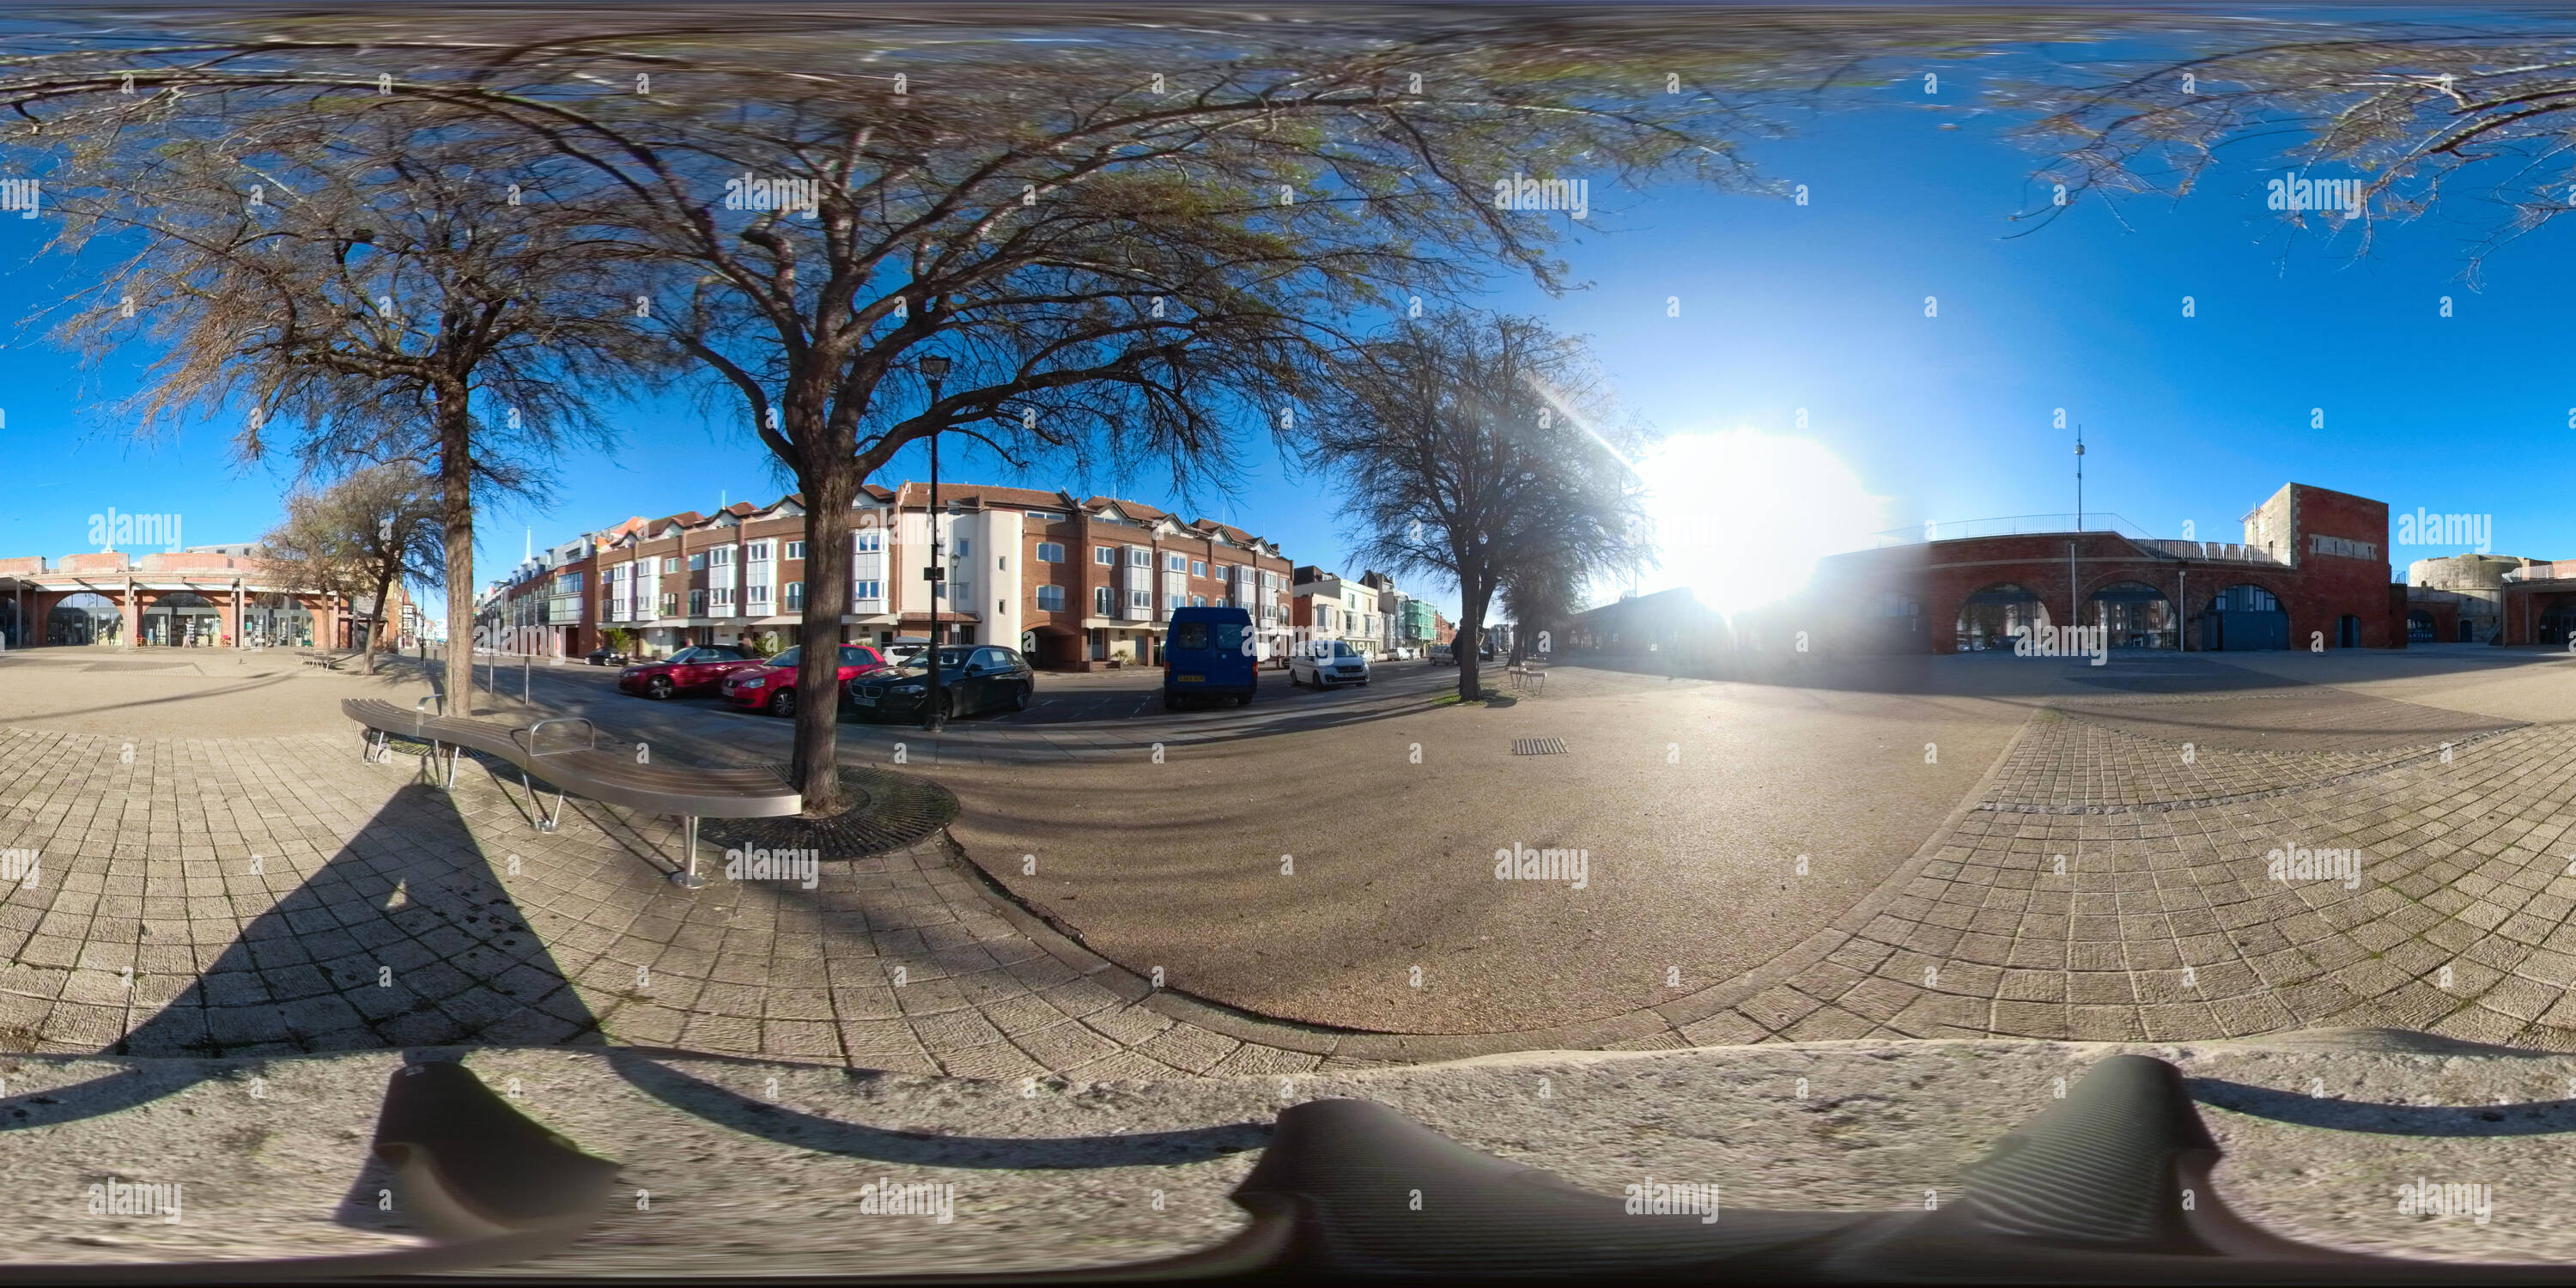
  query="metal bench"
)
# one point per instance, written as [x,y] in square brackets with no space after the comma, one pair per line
[611,777]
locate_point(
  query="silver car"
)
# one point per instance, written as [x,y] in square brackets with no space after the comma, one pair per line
[1324,665]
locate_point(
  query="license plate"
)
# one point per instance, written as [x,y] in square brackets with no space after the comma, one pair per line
[862,700]
[1191,679]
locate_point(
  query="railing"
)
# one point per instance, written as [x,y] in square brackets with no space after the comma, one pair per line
[2010,525]
[2553,571]
[2214,551]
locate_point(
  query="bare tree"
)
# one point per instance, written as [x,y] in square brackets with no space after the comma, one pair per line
[375,530]
[2410,112]
[1123,245]
[370,283]
[1477,448]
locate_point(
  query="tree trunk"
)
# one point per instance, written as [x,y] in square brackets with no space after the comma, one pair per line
[376,638]
[815,767]
[1474,593]
[456,516]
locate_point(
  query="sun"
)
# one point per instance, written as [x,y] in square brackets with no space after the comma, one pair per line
[1741,517]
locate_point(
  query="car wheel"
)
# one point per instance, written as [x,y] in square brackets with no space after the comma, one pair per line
[1243,699]
[947,705]
[1020,698]
[658,688]
[783,703]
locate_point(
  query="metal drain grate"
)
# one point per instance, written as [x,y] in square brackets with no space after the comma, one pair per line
[1538,746]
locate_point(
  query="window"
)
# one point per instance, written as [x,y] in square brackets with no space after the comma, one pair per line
[723,597]
[1190,635]
[721,557]
[795,550]
[697,603]
[795,592]
[756,552]
[1176,563]
[1139,599]
[757,595]
[698,562]
[1171,602]
[1044,516]
[1003,564]
[1051,599]
[1198,601]
[1050,552]
[670,563]
[867,541]
[1104,555]
[1139,557]
[1198,567]
[870,590]
[568,584]
[965,547]
[670,603]
[1104,601]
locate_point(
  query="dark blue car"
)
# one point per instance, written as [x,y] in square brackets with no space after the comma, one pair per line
[1208,655]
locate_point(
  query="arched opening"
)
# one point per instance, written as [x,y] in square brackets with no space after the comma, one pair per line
[2558,621]
[2244,616]
[9,633]
[276,621]
[2348,632]
[84,618]
[1990,618]
[2419,626]
[182,619]
[2137,615]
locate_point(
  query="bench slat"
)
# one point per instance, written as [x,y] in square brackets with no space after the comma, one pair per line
[609,776]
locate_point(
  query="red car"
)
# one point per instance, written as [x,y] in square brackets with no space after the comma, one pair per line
[691,670]
[772,688]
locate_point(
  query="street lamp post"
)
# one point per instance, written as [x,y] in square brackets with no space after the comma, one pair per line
[934,369]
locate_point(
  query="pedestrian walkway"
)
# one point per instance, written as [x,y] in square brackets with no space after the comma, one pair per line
[251,896]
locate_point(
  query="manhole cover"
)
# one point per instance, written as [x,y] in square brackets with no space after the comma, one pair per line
[1538,747]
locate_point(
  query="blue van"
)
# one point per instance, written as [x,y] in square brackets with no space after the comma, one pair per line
[1208,653]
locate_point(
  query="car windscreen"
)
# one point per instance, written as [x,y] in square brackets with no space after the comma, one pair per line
[1342,648]
[789,658]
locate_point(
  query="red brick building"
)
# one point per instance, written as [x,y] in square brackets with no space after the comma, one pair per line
[1076,583]
[209,598]
[2312,571]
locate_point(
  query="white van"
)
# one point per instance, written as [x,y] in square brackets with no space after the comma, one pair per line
[1325,663]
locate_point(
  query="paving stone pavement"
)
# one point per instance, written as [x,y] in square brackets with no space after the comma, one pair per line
[2166,921]
[251,896]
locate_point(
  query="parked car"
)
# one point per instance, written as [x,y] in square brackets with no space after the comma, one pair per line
[1207,657]
[606,656]
[1443,655]
[691,670]
[904,650]
[1324,664]
[972,678]
[771,687]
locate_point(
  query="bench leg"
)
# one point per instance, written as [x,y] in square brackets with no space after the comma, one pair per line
[689,878]
[545,822]
[452,754]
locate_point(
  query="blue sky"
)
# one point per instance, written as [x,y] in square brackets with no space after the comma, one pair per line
[1821,307]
